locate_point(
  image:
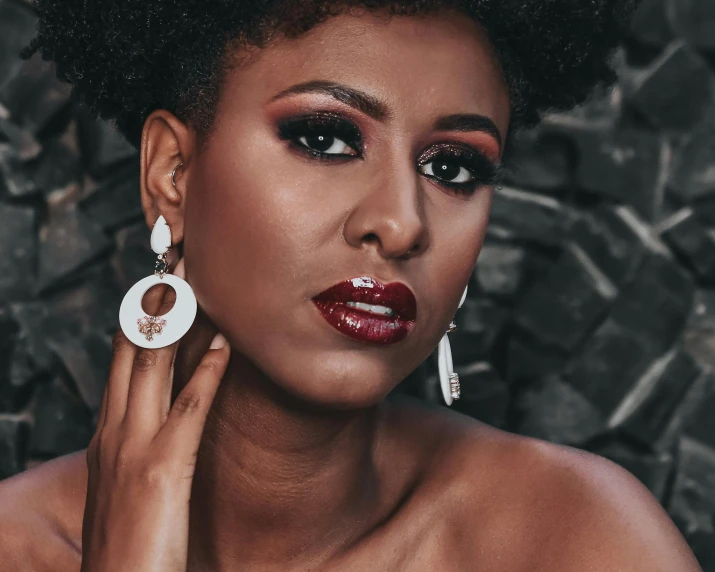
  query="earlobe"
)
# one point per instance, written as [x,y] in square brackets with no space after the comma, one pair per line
[166,148]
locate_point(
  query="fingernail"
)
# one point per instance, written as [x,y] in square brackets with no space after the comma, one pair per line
[218,342]
[180,270]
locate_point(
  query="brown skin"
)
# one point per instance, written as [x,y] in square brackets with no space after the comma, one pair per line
[302,463]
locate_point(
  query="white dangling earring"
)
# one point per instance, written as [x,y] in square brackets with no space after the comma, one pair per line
[139,328]
[448,380]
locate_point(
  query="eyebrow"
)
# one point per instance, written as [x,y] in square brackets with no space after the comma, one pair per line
[376,109]
[348,95]
[468,122]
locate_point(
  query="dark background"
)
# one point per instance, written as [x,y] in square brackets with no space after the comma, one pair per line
[590,319]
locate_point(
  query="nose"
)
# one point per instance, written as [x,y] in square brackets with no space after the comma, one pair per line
[390,215]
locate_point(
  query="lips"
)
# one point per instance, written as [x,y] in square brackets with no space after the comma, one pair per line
[365,325]
[368,290]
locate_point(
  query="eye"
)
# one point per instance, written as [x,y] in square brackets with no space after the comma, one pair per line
[323,136]
[447,171]
[325,143]
[460,169]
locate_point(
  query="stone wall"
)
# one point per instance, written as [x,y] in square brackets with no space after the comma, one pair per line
[590,319]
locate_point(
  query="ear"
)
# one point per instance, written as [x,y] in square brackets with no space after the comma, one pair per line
[166,143]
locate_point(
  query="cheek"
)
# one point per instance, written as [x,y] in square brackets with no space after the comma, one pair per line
[457,255]
[254,227]
[463,239]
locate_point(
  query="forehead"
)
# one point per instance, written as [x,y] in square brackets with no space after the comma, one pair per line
[441,62]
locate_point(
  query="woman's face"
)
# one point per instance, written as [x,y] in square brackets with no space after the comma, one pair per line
[296,192]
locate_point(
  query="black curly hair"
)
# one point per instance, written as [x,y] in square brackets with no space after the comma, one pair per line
[126,58]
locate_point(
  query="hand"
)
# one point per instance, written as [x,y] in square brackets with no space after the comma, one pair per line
[142,456]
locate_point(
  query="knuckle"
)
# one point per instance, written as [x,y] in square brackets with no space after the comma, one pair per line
[154,475]
[101,442]
[211,365]
[145,359]
[123,457]
[188,402]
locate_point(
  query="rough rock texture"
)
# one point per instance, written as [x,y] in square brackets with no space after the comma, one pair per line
[590,319]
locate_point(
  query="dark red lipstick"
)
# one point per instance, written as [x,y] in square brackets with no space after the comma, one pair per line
[363,324]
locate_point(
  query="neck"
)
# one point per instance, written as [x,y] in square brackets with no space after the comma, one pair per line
[276,480]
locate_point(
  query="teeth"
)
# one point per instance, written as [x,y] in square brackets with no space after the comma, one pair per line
[382,310]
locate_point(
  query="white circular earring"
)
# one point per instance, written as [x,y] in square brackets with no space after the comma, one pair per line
[140,328]
[448,380]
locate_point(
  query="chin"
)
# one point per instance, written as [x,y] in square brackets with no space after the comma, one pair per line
[344,380]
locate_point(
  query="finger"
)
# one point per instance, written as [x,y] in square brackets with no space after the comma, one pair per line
[150,381]
[158,300]
[165,405]
[185,424]
[115,391]
[103,407]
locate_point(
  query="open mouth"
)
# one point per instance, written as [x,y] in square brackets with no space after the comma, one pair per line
[366,310]
[372,308]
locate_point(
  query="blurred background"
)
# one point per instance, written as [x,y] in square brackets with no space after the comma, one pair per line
[590,319]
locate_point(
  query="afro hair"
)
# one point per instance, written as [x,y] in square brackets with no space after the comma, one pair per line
[126,58]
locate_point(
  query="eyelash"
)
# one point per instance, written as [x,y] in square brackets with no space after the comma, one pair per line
[482,170]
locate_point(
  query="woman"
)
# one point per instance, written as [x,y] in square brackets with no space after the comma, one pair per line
[298,151]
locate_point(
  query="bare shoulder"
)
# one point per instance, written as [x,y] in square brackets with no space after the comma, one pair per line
[41,516]
[518,503]
[603,517]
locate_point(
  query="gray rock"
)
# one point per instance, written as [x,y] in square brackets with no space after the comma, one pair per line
[500,269]
[117,202]
[479,323]
[57,167]
[678,92]
[655,410]
[86,360]
[542,160]
[692,176]
[35,97]
[14,438]
[527,358]
[31,318]
[625,165]
[69,242]
[553,410]
[657,302]
[133,259]
[693,501]
[651,25]
[484,395]
[614,357]
[523,216]
[562,309]
[611,241]
[63,424]
[104,148]
[700,424]
[17,23]
[18,252]
[693,242]
[694,20]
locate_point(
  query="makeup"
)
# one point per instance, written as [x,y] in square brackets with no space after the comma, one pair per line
[364,309]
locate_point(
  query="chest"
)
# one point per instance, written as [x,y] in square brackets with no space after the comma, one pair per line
[417,542]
